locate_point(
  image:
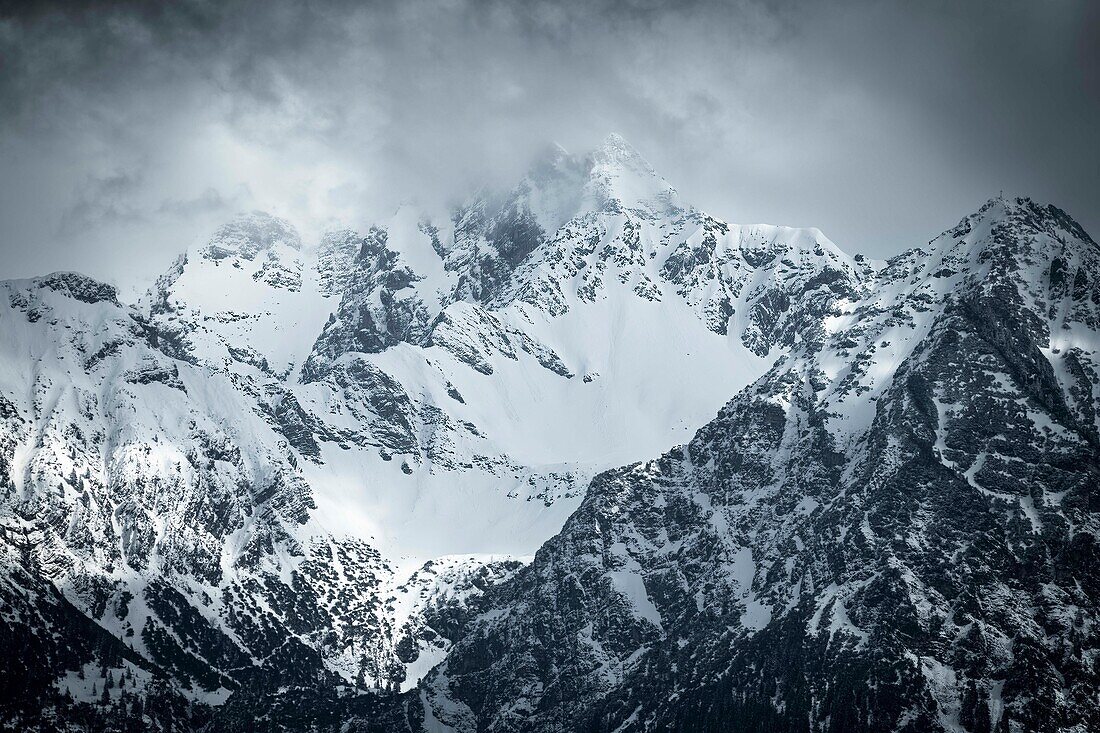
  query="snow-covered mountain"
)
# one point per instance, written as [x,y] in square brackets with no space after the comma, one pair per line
[893,529]
[296,476]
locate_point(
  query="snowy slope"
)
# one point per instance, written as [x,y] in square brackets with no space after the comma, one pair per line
[295,469]
[555,353]
[320,455]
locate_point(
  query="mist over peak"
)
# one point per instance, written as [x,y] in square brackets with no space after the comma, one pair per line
[131,130]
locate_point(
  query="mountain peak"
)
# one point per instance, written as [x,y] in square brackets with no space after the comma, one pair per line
[620,178]
[616,141]
[1022,215]
[615,150]
[612,178]
[79,287]
[248,234]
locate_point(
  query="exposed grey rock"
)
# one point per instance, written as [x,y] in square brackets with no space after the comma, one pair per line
[902,544]
[892,529]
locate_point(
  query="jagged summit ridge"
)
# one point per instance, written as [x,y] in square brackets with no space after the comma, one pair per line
[620,178]
[80,287]
[1024,212]
[251,233]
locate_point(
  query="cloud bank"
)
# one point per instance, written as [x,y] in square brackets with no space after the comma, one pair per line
[129,129]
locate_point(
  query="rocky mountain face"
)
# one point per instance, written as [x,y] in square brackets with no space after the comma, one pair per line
[893,529]
[299,485]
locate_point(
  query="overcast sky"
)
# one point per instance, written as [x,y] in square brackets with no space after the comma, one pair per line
[127,130]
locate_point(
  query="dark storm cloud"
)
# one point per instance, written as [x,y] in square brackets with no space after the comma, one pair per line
[881,123]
